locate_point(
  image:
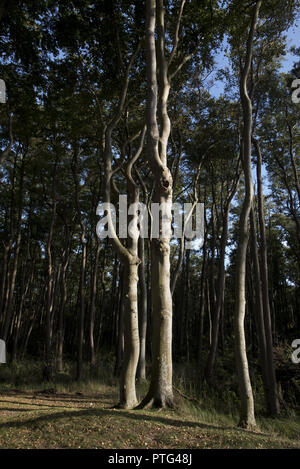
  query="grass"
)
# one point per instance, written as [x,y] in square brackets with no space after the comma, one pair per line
[67,414]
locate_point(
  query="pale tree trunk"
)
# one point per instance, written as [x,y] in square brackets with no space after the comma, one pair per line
[128,256]
[141,369]
[160,393]
[247,417]
[120,326]
[128,397]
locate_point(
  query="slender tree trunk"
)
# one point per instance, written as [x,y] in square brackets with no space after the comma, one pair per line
[208,304]
[259,309]
[128,256]
[220,296]
[120,327]
[221,279]
[128,397]
[49,299]
[247,418]
[8,311]
[63,300]
[202,299]
[141,369]
[93,305]
[81,291]
[23,292]
[273,396]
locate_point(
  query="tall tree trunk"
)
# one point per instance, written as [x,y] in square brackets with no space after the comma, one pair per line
[128,255]
[160,393]
[247,417]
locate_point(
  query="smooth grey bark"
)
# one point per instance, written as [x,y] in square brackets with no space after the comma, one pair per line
[141,369]
[247,417]
[128,255]
[120,326]
[160,392]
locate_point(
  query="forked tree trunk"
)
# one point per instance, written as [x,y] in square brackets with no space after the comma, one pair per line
[128,256]
[160,392]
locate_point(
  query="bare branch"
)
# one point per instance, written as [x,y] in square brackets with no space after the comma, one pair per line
[176,36]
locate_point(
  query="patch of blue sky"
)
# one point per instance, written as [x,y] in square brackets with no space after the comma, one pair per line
[287,61]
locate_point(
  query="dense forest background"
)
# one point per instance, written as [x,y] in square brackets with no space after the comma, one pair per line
[77,129]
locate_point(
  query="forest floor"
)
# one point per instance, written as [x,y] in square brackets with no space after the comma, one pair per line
[53,419]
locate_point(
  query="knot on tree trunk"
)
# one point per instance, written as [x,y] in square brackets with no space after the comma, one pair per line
[165,182]
[134,260]
[162,247]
